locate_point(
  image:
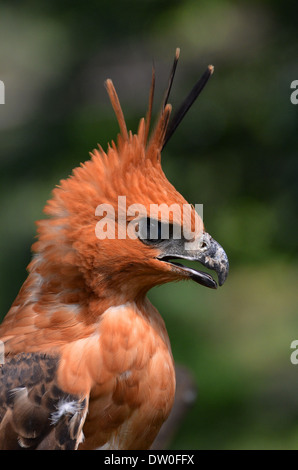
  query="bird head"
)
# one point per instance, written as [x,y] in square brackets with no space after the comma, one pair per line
[117,224]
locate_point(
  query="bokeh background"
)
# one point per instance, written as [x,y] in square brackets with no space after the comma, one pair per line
[235,152]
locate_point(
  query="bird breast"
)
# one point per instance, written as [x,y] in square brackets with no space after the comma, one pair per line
[127,366]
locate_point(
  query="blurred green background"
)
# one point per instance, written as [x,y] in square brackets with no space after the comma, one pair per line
[235,152]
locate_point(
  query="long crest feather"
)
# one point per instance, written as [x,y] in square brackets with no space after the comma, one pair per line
[150,106]
[159,133]
[156,141]
[187,103]
[117,108]
[165,127]
[171,78]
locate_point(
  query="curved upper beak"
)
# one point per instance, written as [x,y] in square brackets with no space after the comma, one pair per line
[212,255]
[203,249]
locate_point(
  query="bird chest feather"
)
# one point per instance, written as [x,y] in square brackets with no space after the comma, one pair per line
[127,365]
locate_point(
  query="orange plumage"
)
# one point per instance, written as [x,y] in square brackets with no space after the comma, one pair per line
[88,358]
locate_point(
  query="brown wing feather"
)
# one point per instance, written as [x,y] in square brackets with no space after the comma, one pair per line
[34,412]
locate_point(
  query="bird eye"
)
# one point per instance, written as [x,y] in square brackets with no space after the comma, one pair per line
[150,230]
[153,230]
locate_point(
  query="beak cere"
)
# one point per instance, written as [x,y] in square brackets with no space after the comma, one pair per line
[204,250]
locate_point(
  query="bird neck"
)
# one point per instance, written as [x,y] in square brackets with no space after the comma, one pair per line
[61,286]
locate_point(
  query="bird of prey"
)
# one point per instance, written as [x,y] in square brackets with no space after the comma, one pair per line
[88,361]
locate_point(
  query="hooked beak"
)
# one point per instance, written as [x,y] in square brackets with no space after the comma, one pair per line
[203,249]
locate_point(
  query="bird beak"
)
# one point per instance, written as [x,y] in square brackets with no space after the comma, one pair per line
[203,249]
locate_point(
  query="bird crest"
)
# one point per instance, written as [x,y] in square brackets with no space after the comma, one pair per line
[127,178]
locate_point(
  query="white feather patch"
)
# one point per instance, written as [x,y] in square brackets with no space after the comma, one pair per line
[65,407]
[14,392]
